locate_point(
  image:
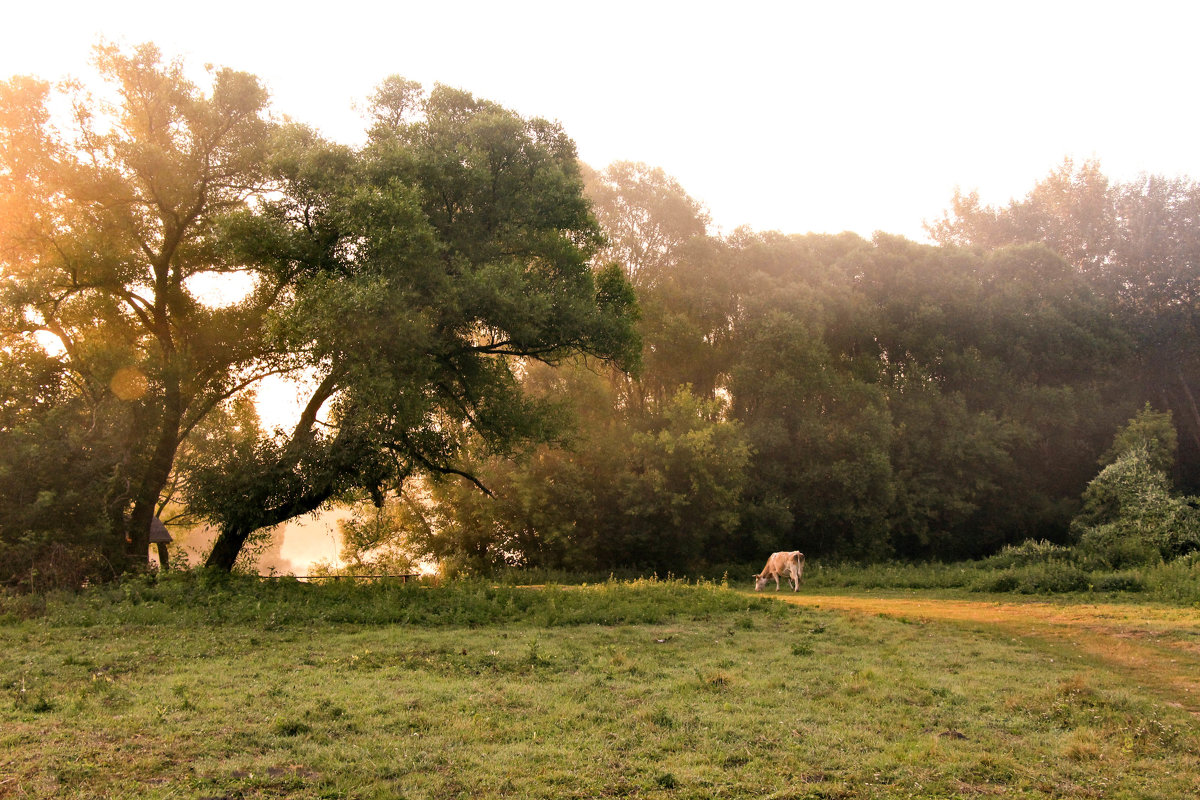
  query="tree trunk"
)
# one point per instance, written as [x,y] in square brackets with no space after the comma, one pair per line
[154,479]
[228,546]
[233,536]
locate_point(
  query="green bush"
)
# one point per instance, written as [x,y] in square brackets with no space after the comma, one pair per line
[1028,552]
[1116,546]
[1176,582]
[1131,516]
[1128,581]
[1051,577]
[999,582]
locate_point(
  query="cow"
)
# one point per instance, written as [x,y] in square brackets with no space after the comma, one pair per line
[778,564]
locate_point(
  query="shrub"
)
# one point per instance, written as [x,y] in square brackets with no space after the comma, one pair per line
[1052,577]
[1177,581]
[1006,581]
[1116,546]
[1028,552]
[37,564]
[1118,582]
[1130,516]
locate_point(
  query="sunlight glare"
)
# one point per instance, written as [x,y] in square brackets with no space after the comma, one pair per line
[280,399]
[220,289]
[49,342]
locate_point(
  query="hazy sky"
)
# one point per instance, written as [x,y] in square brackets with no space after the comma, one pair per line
[794,116]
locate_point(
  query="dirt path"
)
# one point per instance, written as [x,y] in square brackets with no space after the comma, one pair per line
[1158,647]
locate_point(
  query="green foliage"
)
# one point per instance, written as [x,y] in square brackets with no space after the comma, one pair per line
[1130,514]
[408,279]
[1033,568]
[1055,576]
[1177,581]
[647,217]
[1151,436]
[896,399]
[55,465]
[685,475]
[657,491]
[210,597]
[110,224]
[846,397]
[438,262]
[1135,243]
[1027,553]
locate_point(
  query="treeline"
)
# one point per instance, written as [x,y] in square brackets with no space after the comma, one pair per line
[854,398]
[508,358]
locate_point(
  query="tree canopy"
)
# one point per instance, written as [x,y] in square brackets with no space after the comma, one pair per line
[890,398]
[105,229]
[410,280]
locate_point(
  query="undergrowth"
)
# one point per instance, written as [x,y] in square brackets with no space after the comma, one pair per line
[1039,569]
[202,597]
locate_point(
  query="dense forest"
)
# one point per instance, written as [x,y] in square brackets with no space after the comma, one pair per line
[861,399]
[513,359]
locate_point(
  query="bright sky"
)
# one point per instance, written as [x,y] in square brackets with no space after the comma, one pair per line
[794,116]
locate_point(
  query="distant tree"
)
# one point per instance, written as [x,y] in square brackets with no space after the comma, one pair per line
[975,376]
[1151,434]
[821,477]
[1138,245]
[647,218]
[680,495]
[1071,210]
[658,233]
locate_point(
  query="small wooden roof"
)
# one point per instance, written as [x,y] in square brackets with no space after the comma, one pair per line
[158,532]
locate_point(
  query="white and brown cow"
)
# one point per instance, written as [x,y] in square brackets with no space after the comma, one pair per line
[791,564]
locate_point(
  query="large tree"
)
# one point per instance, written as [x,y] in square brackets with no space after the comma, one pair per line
[106,225]
[436,262]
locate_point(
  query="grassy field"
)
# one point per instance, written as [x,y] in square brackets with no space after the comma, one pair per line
[199,689]
[1032,569]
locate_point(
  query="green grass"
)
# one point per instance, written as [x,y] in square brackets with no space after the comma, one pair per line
[1175,583]
[187,689]
[1033,569]
[202,597]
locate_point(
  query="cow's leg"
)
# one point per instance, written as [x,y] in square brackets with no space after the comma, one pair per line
[777,581]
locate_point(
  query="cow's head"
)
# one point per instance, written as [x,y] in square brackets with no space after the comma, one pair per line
[760,581]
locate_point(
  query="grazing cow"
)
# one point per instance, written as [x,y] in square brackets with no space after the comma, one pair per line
[779,563]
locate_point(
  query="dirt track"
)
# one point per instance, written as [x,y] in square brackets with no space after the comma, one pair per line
[1157,646]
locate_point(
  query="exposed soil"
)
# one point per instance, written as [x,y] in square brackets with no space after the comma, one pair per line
[1157,646]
